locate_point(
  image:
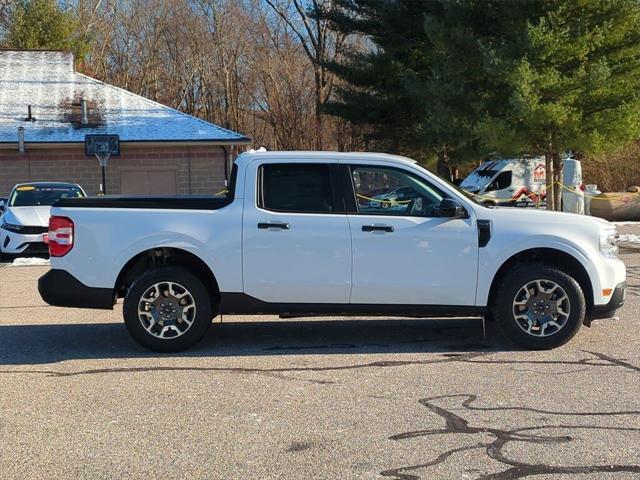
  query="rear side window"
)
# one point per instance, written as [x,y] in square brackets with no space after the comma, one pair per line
[301,188]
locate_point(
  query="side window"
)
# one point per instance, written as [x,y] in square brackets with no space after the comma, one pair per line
[501,181]
[302,188]
[390,191]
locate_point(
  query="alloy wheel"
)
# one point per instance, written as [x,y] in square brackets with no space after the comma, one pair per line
[541,308]
[166,310]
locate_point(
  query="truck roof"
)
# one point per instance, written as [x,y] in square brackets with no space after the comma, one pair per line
[308,155]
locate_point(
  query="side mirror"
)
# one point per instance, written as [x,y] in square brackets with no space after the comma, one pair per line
[1,205]
[451,208]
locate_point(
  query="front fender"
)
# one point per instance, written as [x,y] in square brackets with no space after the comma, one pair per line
[494,256]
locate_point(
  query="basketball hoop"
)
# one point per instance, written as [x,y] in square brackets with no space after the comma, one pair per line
[102,147]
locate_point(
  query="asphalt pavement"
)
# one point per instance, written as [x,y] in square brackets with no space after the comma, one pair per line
[264,398]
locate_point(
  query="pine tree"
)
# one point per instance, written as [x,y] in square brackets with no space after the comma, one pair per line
[43,24]
[423,85]
[465,78]
[407,90]
[573,84]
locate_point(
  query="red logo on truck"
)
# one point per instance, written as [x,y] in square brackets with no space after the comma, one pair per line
[539,174]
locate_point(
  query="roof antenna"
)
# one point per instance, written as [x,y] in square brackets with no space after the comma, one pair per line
[30,118]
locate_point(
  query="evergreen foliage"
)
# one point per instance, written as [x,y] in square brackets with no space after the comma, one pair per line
[43,24]
[464,78]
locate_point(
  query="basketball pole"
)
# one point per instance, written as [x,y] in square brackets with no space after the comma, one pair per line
[103,158]
[102,147]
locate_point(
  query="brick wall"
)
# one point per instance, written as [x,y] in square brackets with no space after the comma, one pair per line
[198,169]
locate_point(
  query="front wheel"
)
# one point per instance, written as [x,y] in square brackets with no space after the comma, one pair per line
[167,309]
[539,306]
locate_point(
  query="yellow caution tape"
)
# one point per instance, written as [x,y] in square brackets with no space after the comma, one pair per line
[391,202]
[531,195]
[603,196]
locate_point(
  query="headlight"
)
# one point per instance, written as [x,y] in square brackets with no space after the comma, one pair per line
[11,227]
[609,243]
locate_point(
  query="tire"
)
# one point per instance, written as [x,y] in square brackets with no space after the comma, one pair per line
[558,313]
[165,327]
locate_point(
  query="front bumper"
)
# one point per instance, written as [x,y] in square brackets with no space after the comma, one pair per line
[61,289]
[609,310]
[18,243]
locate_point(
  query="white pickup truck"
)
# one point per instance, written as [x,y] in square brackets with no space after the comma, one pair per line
[318,233]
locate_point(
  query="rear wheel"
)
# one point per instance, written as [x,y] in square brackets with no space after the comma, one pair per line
[167,309]
[539,306]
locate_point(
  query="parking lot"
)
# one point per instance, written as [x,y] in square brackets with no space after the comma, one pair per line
[263,397]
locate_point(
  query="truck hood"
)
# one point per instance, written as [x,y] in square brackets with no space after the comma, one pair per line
[556,222]
[37,216]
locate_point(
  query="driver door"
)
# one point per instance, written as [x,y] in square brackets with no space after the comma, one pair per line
[403,253]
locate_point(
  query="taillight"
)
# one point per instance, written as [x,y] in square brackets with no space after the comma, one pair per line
[60,236]
[582,187]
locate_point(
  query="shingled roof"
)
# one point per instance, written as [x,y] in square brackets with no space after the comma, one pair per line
[47,81]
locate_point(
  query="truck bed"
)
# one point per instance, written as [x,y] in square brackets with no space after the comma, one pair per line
[176,202]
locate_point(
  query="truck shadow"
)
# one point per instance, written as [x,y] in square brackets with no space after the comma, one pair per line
[51,343]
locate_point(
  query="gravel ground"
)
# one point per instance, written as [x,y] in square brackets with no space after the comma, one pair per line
[264,398]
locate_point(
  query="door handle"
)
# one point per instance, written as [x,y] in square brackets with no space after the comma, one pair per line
[267,225]
[377,228]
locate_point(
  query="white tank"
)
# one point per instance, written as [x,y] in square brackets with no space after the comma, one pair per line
[572,194]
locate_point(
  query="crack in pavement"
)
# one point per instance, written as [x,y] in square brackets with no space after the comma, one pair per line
[566,372]
[617,361]
[25,306]
[602,360]
[457,425]
[449,358]
[610,361]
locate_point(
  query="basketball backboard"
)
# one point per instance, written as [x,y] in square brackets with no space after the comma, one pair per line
[102,145]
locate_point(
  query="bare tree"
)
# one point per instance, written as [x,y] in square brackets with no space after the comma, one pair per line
[237,63]
[4,13]
[320,44]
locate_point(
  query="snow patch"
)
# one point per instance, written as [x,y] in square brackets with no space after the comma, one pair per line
[625,223]
[31,261]
[629,238]
[49,81]
[259,150]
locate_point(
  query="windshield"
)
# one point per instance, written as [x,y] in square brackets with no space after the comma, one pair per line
[486,173]
[35,195]
[474,198]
